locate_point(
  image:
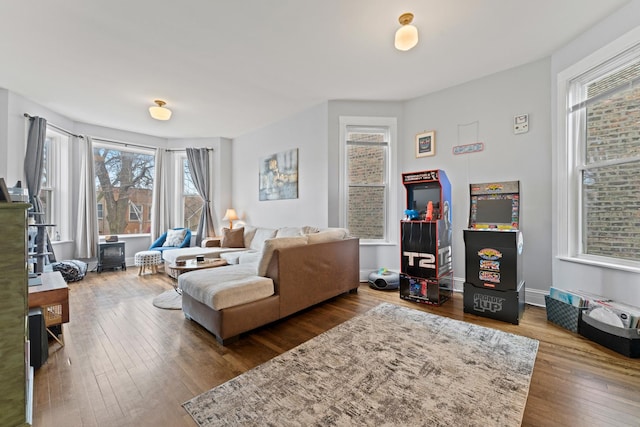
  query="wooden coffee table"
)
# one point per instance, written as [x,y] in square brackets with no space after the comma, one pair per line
[192,265]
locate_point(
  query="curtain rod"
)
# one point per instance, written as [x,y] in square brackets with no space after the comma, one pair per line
[56,127]
[112,141]
[126,144]
[175,150]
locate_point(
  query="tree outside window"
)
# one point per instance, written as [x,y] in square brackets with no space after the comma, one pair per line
[124,187]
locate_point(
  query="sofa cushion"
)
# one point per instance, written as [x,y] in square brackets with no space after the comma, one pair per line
[308,229]
[249,257]
[235,257]
[271,245]
[249,232]
[328,235]
[232,238]
[259,237]
[289,232]
[175,237]
[225,287]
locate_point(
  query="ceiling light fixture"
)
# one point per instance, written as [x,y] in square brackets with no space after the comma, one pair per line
[159,112]
[407,35]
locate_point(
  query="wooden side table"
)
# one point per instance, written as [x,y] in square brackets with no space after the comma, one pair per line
[53,296]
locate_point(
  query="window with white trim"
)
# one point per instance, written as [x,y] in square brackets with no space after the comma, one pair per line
[366,176]
[124,187]
[54,190]
[603,161]
[191,200]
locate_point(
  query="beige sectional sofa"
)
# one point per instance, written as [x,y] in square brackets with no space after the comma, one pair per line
[274,277]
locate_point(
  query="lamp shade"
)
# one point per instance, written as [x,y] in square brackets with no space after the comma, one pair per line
[159,111]
[230,215]
[407,34]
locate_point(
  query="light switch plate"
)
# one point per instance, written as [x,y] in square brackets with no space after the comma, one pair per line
[521,123]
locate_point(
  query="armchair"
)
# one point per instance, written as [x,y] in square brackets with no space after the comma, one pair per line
[158,244]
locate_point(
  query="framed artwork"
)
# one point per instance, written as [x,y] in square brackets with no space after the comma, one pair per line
[278,176]
[426,144]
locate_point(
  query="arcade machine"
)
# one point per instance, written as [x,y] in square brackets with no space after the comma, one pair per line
[494,286]
[426,273]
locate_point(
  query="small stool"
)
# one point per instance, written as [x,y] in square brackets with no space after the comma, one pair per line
[148,259]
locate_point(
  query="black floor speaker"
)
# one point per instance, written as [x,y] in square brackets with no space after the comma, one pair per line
[38,339]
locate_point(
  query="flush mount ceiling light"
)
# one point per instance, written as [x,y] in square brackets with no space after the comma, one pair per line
[407,34]
[159,112]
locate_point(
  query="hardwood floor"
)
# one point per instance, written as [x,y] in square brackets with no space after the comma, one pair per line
[128,363]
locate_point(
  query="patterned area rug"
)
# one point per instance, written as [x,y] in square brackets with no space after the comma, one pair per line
[389,366]
[170,300]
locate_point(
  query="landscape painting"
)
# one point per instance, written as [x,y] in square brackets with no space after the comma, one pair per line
[279,176]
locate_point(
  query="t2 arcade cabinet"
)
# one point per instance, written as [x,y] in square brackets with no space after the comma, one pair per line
[494,286]
[426,273]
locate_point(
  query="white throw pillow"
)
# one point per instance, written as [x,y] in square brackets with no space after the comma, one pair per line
[175,237]
[249,232]
[260,236]
[289,232]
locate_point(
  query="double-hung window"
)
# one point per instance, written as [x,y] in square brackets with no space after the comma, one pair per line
[124,188]
[366,176]
[54,190]
[603,162]
[191,200]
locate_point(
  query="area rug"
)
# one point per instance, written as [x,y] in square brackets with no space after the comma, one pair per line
[389,366]
[170,300]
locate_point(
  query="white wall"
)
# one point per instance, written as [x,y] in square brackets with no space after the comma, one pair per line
[492,102]
[620,285]
[17,129]
[306,131]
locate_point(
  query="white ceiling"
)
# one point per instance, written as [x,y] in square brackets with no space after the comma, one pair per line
[229,67]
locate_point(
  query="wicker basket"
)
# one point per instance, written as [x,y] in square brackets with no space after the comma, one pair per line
[52,314]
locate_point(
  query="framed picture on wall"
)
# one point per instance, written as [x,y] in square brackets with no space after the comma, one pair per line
[278,176]
[426,144]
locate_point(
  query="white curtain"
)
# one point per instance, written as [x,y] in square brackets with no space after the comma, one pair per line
[87,229]
[161,206]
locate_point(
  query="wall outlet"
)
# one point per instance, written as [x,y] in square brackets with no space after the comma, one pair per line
[521,123]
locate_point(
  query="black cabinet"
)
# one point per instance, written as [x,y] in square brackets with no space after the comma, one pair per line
[111,256]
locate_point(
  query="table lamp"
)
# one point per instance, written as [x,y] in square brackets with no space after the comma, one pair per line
[230,216]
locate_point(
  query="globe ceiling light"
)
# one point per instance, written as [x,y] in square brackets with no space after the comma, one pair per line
[407,34]
[159,111]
